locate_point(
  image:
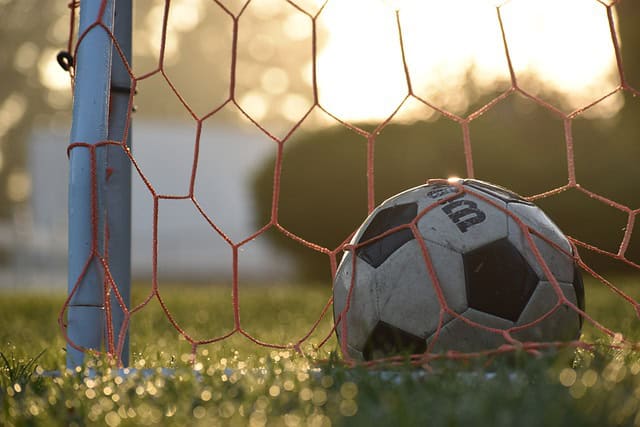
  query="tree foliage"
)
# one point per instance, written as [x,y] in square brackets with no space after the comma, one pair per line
[517,144]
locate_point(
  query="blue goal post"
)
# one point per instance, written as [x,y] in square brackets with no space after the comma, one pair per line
[99,180]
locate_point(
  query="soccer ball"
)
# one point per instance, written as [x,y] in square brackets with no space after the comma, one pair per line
[455,264]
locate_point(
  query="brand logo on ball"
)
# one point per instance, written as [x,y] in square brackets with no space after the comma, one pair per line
[440,191]
[463,213]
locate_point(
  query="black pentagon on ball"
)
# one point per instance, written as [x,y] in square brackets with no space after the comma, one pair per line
[499,280]
[387,340]
[375,253]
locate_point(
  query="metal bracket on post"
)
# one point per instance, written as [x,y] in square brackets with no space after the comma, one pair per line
[94,122]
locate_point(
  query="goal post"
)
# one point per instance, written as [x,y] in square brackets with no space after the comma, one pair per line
[99,272]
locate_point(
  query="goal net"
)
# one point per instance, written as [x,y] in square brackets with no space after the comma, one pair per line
[267,130]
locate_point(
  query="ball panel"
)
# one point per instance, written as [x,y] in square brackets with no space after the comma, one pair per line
[412,195]
[362,315]
[463,223]
[460,336]
[560,264]
[376,252]
[417,194]
[562,325]
[387,340]
[406,295]
[449,269]
[499,280]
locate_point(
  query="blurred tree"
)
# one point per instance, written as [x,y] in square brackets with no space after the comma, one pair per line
[26,31]
[31,33]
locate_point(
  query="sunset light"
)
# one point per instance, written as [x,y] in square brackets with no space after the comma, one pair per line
[560,46]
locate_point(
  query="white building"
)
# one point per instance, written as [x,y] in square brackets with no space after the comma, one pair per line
[189,248]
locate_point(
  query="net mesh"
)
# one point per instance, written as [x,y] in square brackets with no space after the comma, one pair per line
[311,15]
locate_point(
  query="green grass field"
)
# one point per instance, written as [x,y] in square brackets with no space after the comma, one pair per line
[237,383]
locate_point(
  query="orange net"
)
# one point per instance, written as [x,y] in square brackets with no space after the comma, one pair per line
[312,15]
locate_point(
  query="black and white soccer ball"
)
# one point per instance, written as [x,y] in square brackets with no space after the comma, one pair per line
[450,265]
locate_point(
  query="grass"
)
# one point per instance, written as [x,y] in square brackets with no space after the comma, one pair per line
[237,383]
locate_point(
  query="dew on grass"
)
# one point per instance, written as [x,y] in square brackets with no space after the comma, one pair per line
[567,377]
[327,381]
[348,407]
[291,420]
[274,391]
[614,372]
[112,419]
[257,419]
[34,410]
[206,395]
[306,394]
[349,390]
[319,397]
[170,410]
[199,412]
[589,378]
[226,409]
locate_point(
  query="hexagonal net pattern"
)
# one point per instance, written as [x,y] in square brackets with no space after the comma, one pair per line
[310,14]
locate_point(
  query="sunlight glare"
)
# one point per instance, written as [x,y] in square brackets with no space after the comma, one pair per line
[12,109]
[185,15]
[51,75]
[359,72]
[564,44]
[254,104]
[574,57]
